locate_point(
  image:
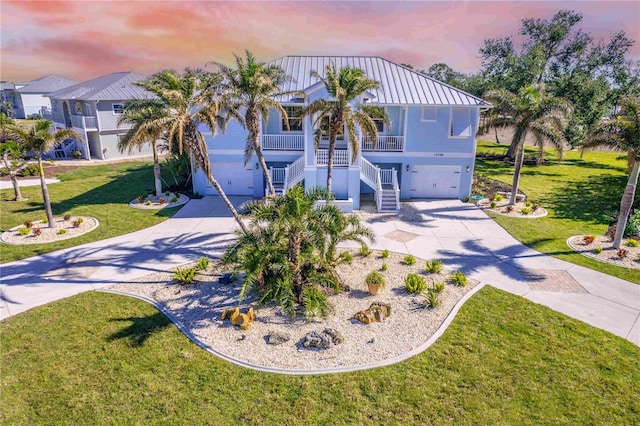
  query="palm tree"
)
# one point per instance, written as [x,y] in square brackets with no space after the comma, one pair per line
[40,138]
[621,133]
[11,154]
[141,115]
[188,99]
[345,87]
[255,86]
[530,111]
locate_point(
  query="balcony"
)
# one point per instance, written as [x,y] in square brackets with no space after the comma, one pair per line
[340,157]
[82,122]
[384,144]
[283,142]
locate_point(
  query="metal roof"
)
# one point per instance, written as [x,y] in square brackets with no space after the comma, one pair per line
[399,85]
[115,86]
[48,83]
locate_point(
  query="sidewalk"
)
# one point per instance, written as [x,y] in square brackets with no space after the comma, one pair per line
[459,234]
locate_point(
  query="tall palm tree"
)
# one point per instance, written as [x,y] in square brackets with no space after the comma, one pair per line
[40,138]
[189,100]
[621,133]
[340,111]
[530,111]
[255,86]
[141,115]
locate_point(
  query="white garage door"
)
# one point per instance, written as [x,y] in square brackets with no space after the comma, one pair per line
[435,181]
[234,178]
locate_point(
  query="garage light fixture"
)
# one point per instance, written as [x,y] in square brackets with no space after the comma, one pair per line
[258,166]
[407,168]
[468,169]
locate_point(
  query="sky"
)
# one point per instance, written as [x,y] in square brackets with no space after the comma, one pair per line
[86,39]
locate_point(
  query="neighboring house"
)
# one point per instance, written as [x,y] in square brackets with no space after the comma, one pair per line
[29,98]
[428,152]
[92,108]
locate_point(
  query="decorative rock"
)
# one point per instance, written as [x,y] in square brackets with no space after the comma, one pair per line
[277,338]
[316,340]
[377,312]
[336,336]
[242,320]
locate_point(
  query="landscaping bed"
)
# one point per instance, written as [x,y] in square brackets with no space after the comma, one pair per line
[601,249]
[39,232]
[151,202]
[521,209]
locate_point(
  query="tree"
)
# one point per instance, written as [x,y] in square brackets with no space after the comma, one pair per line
[12,156]
[142,115]
[40,138]
[189,100]
[530,111]
[334,115]
[621,133]
[285,253]
[255,86]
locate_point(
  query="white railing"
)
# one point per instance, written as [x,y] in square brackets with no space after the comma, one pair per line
[283,142]
[340,157]
[58,117]
[84,122]
[384,143]
[396,186]
[386,176]
[369,173]
[90,123]
[294,173]
[278,174]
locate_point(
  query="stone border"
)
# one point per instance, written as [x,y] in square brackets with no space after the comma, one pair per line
[183,199]
[430,341]
[62,236]
[587,253]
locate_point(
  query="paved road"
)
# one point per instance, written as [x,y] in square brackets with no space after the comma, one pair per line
[459,234]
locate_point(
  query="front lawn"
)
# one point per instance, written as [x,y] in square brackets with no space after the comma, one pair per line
[578,194]
[102,191]
[100,358]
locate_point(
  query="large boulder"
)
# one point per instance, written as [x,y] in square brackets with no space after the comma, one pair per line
[277,338]
[377,312]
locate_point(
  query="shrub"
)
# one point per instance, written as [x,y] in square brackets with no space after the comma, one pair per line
[31,170]
[433,266]
[498,197]
[409,260]
[28,224]
[62,231]
[437,287]
[466,199]
[365,250]
[527,203]
[37,232]
[415,283]
[508,209]
[345,257]
[622,253]
[24,231]
[184,275]
[458,279]
[431,299]
[45,221]
[633,225]
[315,302]
[384,267]
[493,204]
[76,223]
[597,250]
[375,278]
[588,239]
[384,253]
[66,216]
[632,243]
[162,200]
[141,198]
[525,210]
[202,264]
[174,199]
[535,207]
[167,193]
[148,203]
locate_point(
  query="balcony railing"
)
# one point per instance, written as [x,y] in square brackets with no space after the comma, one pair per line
[385,143]
[84,122]
[57,117]
[340,157]
[283,142]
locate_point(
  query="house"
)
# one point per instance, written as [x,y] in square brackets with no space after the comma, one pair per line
[428,152]
[29,98]
[92,108]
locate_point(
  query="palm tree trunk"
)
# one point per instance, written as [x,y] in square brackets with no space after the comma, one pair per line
[516,175]
[156,170]
[227,202]
[265,170]
[332,151]
[625,204]
[511,152]
[253,125]
[294,259]
[13,175]
[45,195]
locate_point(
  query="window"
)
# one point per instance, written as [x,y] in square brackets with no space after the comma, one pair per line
[87,110]
[118,109]
[460,123]
[379,122]
[78,107]
[324,129]
[429,114]
[295,124]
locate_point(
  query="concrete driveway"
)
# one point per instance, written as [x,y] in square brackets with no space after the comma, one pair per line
[459,234]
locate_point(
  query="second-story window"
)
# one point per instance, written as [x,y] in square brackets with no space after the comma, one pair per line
[295,124]
[460,125]
[324,129]
[118,109]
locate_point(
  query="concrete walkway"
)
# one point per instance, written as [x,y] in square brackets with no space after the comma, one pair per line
[459,234]
[6,184]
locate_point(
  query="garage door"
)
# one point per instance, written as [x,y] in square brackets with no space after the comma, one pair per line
[435,181]
[234,178]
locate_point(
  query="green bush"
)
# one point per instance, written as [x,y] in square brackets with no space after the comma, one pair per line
[434,266]
[45,221]
[535,207]
[202,264]
[597,250]
[174,199]
[375,277]
[466,199]
[365,250]
[493,204]
[384,253]
[527,203]
[498,197]
[167,193]
[525,210]
[458,279]
[415,283]
[62,231]
[315,302]
[409,259]
[24,231]
[632,243]
[437,287]
[345,257]
[185,275]
[31,170]
[432,299]
[384,267]
[633,225]
[148,203]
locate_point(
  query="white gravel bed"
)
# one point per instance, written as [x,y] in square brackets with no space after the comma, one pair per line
[198,308]
[50,235]
[608,254]
[155,203]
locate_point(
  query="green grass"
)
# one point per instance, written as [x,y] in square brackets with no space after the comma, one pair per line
[102,191]
[106,359]
[577,193]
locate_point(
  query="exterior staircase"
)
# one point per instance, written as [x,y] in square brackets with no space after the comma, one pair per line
[384,183]
[286,177]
